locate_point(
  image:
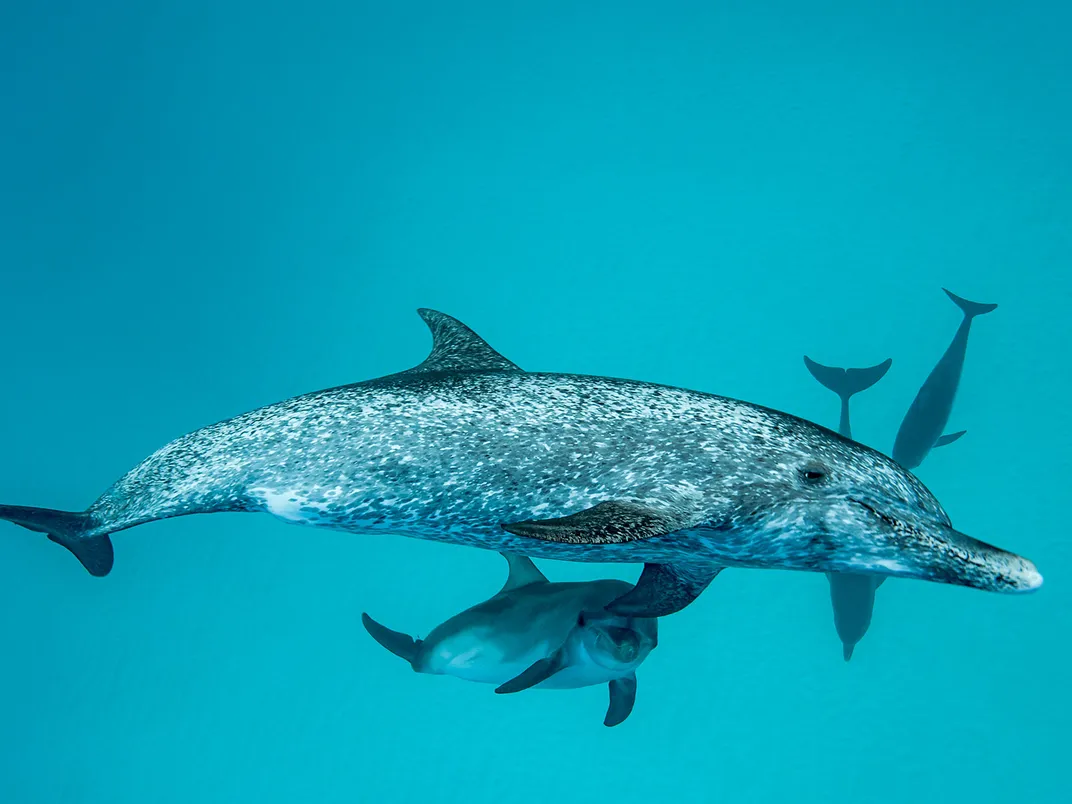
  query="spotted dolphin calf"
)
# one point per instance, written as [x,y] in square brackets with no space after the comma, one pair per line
[468,448]
[852,596]
[923,426]
[534,633]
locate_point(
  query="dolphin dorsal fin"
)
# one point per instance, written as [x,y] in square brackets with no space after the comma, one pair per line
[522,572]
[455,347]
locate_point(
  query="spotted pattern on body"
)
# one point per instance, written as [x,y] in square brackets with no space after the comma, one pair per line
[452,456]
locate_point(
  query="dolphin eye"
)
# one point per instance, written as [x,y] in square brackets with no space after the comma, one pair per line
[813,474]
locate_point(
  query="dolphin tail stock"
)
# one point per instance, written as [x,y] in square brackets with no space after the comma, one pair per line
[970,308]
[401,645]
[70,529]
[846,382]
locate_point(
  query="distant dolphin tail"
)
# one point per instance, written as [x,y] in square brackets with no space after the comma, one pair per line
[846,382]
[970,308]
[69,529]
[401,645]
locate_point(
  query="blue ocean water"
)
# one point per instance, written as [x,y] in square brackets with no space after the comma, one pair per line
[208,207]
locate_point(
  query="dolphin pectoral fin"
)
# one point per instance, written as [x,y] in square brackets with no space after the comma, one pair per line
[622,698]
[611,522]
[946,440]
[663,589]
[537,673]
[401,645]
[522,572]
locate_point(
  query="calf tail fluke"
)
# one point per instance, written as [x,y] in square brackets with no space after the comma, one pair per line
[970,308]
[67,528]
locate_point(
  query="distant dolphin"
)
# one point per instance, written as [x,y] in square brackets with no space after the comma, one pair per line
[852,596]
[534,633]
[468,448]
[922,427]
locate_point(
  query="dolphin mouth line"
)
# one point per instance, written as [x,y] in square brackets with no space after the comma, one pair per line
[884,517]
[889,520]
[893,521]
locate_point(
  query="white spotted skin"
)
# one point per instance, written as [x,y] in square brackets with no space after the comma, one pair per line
[452,456]
[499,639]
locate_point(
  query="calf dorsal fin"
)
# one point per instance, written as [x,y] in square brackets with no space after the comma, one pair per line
[522,572]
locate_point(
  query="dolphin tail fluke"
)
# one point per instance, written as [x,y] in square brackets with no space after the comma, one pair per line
[970,308]
[846,382]
[401,645]
[67,528]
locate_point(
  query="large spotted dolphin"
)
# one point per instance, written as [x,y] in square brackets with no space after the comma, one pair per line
[467,448]
[534,633]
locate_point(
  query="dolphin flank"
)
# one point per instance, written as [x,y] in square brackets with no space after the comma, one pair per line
[534,633]
[468,448]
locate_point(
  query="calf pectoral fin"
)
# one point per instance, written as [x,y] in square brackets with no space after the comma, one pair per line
[537,673]
[663,589]
[622,698]
[402,645]
[946,440]
[611,522]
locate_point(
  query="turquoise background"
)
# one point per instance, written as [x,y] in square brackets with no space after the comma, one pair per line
[206,207]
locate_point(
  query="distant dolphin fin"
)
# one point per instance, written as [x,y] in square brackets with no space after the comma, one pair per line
[66,528]
[846,382]
[611,522]
[537,673]
[455,347]
[622,698]
[970,308]
[401,645]
[663,589]
[522,572]
[946,440]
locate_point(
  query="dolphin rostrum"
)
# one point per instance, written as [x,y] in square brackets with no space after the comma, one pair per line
[468,448]
[922,427]
[534,633]
[852,596]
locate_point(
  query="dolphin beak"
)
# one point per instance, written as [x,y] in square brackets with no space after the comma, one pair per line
[935,551]
[1027,576]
